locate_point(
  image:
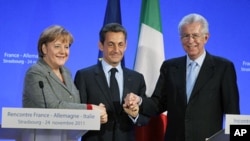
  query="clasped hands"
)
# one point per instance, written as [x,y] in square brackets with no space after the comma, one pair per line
[131,104]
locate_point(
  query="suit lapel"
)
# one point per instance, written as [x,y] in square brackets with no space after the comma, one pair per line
[178,71]
[127,85]
[100,78]
[51,75]
[206,72]
[127,80]
[67,86]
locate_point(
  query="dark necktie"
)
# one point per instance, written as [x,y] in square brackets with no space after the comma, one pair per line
[114,88]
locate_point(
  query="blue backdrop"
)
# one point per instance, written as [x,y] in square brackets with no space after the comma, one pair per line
[21,23]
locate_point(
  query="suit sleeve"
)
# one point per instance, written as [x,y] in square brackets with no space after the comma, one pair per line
[230,93]
[81,86]
[143,118]
[156,104]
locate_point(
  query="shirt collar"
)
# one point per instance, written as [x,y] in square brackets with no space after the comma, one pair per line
[199,60]
[107,67]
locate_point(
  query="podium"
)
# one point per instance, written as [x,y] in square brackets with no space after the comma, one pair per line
[34,124]
[231,119]
[40,134]
[219,136]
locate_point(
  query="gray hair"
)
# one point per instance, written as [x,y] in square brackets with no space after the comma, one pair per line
[192,18]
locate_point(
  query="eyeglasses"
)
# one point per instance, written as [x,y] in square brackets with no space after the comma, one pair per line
[194,36]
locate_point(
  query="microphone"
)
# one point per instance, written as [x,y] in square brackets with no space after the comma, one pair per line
[41,86]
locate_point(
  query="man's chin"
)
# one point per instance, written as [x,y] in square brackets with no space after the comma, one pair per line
[114,63]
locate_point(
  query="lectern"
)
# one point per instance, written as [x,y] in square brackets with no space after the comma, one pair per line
[34,124]
[40,134]
[219,136]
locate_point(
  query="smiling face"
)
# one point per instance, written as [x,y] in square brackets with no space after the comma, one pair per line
[193,39]
[113,47]
[56,53]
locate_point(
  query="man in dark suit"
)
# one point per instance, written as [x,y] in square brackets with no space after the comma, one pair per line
[195,111]
[94,86]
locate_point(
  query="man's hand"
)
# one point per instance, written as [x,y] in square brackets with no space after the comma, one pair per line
[133,110]
[131,100]
[103,113]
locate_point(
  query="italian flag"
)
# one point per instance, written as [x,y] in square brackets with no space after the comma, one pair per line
[149,58]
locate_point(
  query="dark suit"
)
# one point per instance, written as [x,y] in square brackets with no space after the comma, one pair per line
[94,88]
[215,93]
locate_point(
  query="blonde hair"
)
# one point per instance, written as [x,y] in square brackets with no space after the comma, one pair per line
[52,33]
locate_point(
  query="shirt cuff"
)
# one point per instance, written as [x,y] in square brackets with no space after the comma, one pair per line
[134,119]
[140,102]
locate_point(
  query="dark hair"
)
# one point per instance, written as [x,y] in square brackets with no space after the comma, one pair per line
[111,27]
[52,33]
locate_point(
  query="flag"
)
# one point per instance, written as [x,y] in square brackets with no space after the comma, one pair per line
[149,58]
[112,15]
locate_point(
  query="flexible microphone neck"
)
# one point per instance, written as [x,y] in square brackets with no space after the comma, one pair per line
[42,86]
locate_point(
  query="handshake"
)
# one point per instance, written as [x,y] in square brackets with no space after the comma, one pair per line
[130,106]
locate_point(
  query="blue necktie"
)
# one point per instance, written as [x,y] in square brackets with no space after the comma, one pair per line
[191,76]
